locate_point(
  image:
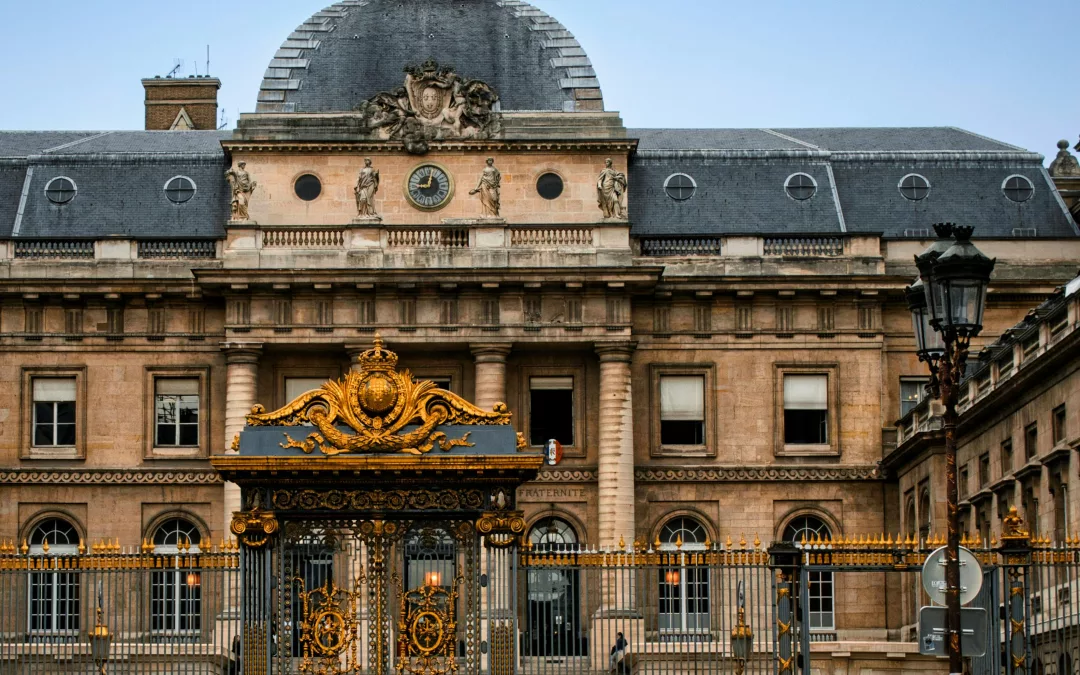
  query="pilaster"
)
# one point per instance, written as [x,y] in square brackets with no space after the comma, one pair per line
[616,460]
[242,363]
[490,374]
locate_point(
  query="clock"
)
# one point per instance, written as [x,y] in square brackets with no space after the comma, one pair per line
[429,187]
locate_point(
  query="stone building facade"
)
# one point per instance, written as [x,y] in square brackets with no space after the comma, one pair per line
[727,361]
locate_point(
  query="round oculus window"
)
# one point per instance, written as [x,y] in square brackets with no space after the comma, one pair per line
[180,189]
[308,187]
[1018,189]
[680,187]
[800,186]
[61,190]
[550,186]
[914,187]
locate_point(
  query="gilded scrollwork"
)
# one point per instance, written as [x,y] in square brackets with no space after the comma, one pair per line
[501,529]
[378,500]
[254,528]
[329,627]
[378,403]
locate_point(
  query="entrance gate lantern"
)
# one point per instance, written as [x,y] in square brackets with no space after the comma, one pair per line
[380,529]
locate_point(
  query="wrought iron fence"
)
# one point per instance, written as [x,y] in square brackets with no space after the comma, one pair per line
[554,610]
[161,612]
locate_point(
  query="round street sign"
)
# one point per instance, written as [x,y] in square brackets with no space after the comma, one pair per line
[933,576]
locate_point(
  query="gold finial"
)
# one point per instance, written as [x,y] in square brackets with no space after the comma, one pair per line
[25,547]
[728,545]
[742,541]
[82,547]
[656,544]
[622,543]
[708,543]
[45,545]
[757,542]
[678,541]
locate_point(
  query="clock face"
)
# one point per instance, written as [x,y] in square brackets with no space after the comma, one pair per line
[429,187]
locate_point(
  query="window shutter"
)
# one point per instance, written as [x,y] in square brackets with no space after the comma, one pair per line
[176,387]
[54,389]
[295,386]
[682,398]
[552,383]
[806,392]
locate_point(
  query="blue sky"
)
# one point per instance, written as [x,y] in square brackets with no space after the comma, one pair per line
[1000,68]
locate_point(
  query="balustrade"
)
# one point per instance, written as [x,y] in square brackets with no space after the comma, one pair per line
[54,248]
[304,238]
[178,248]
[805,246]
[428,237]
[680,246]
[551,236]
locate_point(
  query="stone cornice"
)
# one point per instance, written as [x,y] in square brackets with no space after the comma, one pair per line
[109,477]
[617,145]
[756,473]
[721,474]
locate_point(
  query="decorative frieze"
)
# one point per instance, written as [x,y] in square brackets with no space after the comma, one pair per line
[723,474]
[108,477]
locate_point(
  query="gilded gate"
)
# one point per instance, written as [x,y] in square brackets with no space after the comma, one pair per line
[379,528]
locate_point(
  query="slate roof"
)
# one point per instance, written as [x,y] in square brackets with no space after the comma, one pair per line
[120,177]
[741,175]
[355,49]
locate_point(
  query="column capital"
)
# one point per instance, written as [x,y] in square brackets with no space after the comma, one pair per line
[242,352]
[616,352]
[491,352]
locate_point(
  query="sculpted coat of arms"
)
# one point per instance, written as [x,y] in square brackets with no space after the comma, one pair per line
[434,104]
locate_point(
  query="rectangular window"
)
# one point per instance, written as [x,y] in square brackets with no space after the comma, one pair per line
[1006,457]
[176,411]
[295,386]
[1058,323]
[962,485]
[54,411]
[551,410]
[984,470]
[1031,440]
[806,409]
[1005,365]
[1030,345]
[1058,429]
[912,392]
[682,410]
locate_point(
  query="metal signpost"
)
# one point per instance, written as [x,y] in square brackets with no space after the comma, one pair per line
[933,628]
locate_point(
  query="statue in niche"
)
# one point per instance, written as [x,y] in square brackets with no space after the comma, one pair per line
[611,192]
[1064,165]
[489,188]
[242,187]
[367,184]
[435,104]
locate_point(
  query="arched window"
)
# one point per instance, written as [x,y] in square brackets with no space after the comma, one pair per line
[684,588]
[1065,666]
[910,520]
[176,594]
[821,594]
[926,519]
[554,612]
[54,596]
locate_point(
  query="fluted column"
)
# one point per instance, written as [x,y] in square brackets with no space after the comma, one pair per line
[616,465]
[490,374]
[242,363]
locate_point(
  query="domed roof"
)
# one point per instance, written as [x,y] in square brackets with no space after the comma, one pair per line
[355,49]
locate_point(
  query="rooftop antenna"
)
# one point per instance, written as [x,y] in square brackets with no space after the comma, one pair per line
[223,121]
[176,68]
[208,60]
[196,62]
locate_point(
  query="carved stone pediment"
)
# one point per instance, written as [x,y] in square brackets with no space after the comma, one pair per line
[435,103]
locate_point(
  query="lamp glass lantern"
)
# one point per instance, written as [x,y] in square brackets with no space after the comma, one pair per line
[955,284]
[929,343]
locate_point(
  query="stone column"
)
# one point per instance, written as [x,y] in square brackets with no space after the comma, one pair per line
[490,374]
[242,363]
[354,351]
[616,465]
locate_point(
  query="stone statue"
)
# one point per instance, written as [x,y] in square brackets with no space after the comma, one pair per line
[242,187]
[367,184]
[1064,165]
[611,192]
[488,188]
[435,104]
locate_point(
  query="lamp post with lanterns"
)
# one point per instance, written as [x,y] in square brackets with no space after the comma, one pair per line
[947,303]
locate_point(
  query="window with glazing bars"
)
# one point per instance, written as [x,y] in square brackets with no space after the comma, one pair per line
[54,411]
[176,410]
[54,596]
[176,594]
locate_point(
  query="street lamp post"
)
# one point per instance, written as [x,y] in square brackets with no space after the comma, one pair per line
[946,314]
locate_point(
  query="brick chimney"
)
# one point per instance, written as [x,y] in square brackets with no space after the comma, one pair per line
[181,104]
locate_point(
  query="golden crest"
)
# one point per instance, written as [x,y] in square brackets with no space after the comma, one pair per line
[377,403]
[427,630]
[329,630]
